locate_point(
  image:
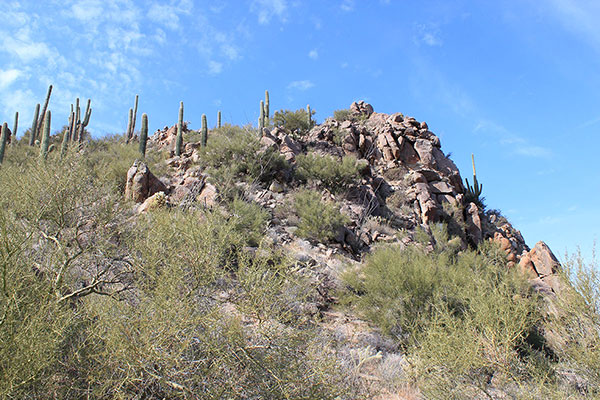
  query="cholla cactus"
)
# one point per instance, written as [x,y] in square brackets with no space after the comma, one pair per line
[46,136]
[179,140]
[204,137]
[144,135]
[3,140]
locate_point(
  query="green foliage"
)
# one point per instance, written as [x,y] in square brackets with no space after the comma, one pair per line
[249,219]
[234,154]
[297,122]
[348,115]
[461,315]
[319,220]
[334,174]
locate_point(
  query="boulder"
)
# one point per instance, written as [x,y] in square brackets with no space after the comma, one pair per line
[542,267]
[361,108]
[474,232]
[141,183]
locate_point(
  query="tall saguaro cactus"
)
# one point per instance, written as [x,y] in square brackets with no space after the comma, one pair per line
[129,125]
[67,135]
[308,111]
[179,140]
[15,127]
[144,135]
[267,104]
[219,119]
[43,113]
[204,137]
[134,116]
[261,118]
[46,136]
[3,140]
[34,125]
[85,122]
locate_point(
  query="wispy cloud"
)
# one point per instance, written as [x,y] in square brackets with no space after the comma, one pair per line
[428,34]
[518,145]
[301,85]
[347,5]
[313,54]
[268,9]
[578,16]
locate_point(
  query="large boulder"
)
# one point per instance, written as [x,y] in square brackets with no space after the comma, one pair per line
[141,183]
[541,267]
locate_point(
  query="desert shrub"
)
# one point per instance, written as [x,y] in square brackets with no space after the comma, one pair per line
[461,315]
[332,173]
[347,115]
[249,220]
[342,115]
[319,220]
[294,121]
[235,154]
[576,321]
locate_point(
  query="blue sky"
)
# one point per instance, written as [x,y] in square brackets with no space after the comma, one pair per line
[515,82]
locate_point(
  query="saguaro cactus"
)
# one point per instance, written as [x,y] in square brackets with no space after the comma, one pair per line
[39,129]
[219,119]
[144,135]
[67,135]
[179,140]
[308,111]
[267,104]
[85,122]
[3,140]
[129,125]
[261,118]
[15,127]
[34,125]
[134,116]
[204,137]
[46,135]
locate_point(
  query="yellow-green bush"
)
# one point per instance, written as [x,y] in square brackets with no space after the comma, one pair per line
[332,173]
[319,220]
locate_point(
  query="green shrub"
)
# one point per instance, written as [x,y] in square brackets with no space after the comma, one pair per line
[234,154]
[461,315]
[249,220]
[332,173]
[295,121]
[319,220]
[342,115]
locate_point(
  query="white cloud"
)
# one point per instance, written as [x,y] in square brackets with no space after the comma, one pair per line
[214,67]
[314,54]
[517,144]
[8,77]
[301,85]
[267,9]
[347,5]
[428,34]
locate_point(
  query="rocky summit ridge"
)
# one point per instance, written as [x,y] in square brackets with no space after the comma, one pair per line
[406,180]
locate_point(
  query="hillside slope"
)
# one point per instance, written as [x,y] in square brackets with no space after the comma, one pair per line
[340,260]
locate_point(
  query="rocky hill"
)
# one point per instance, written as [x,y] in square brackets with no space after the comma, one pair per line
[347,260]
